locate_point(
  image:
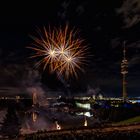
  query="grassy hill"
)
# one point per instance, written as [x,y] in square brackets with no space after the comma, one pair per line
[129,121]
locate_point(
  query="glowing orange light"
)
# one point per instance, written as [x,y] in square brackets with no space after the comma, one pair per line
[34,117]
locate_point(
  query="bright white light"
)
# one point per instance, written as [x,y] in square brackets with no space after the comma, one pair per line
[58,127]
[85,106]
[85,114]
[88,114]
[85,123]
[52,53]
[69,59]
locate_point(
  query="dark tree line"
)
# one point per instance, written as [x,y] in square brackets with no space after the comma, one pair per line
[11,124]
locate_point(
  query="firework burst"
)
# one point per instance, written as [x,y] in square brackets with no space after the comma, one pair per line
[60,51]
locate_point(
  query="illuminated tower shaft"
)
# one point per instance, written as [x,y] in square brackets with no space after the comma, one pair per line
[34,98]
[124,71]
[34,114]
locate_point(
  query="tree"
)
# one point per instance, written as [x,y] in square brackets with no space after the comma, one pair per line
[11,125]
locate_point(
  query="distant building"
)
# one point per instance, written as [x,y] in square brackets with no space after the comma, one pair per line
[100,96]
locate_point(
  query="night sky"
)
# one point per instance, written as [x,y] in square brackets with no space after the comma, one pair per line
[103,24]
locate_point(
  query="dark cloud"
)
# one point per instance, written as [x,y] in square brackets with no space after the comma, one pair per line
[130,12]
[18,75]
[63,9]
[65,4]
[135,45]
[115,42]
[134,61]
[80,10]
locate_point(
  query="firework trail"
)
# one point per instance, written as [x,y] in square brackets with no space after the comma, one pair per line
[60,51]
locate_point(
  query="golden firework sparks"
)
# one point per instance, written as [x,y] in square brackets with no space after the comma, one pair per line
[59,50]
